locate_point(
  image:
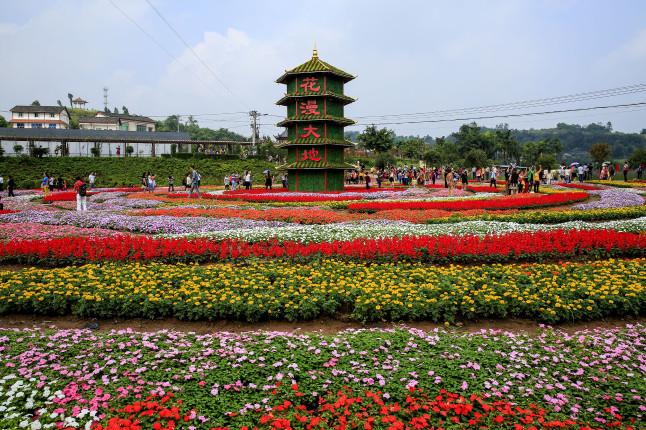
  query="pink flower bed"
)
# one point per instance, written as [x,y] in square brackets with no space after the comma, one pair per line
[35,231]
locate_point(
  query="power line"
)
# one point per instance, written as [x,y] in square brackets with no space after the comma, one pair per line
[506,115]
[159,45]
[190,48]
[631,89]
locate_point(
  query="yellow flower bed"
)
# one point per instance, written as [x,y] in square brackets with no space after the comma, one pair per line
[370,292]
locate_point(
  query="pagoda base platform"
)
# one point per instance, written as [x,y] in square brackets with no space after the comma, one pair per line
[316,180]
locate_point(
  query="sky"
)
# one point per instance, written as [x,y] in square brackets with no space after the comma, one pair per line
[409,56]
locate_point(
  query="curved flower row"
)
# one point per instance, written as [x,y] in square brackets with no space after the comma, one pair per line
[518,201]
[382,228]
[79,378]
[297,291]
[560,244]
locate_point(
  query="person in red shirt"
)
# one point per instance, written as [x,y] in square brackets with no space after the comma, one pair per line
[81,194]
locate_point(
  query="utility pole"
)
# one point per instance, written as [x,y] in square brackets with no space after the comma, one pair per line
[105,98]
[254,130]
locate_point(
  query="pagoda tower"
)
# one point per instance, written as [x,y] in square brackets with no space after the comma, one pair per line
[315,141]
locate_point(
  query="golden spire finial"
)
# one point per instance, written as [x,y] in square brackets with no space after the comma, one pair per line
[315,52]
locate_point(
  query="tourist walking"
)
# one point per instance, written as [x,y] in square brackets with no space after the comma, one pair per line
[44,185]
[1,183]
[81,194]
[493,177]
[171,183]
[268,180]
[626,170]
[92,178]
[247,180]
[195,183]
[11,185]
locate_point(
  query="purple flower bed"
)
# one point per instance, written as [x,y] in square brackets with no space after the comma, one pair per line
[139,224]
[612,198]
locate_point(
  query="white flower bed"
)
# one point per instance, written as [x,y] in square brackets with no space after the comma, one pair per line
[376,229]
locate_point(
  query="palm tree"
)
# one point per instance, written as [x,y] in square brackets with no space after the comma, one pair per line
[70,96]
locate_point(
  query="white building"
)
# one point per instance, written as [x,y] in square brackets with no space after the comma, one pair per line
[40,117]
[113,121]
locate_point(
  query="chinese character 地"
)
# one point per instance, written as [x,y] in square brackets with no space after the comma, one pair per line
[311,154]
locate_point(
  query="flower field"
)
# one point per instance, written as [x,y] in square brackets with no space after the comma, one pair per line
[402,378]
[570,254]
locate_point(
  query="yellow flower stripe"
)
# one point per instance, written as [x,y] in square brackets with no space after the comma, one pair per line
[281,290]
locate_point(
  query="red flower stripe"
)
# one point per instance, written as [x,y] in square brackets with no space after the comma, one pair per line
[515,202]
[525,245]
[580,186]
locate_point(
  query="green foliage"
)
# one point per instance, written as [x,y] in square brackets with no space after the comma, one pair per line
[447,150]
[18,148]
[413,148]
[432,157]
[638,157]
[547,161]
[533,151]
[471,137]
[124,171]
[379,141]
[506,144]
[129,150]
[39,152]
[383,160]
[475,158]
[600,152]
[3,122]
[35,103]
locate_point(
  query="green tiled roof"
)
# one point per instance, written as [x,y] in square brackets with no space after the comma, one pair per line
[287,98]
[314,141]
[316,165]
[315,65]
[310,118]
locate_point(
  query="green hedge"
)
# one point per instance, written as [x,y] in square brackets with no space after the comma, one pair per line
[28,171]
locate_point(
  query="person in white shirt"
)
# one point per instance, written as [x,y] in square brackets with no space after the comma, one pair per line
[1,183]
[580,172]
[91,179]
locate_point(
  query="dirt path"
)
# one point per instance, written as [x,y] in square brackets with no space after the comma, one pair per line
[325,326]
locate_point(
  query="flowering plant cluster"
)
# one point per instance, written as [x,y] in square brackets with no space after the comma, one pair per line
[517,201]
[525,246]
[484,189]
[64,196]
[579,186]
[386,228]
[613,198]
[300,291]
[80,378]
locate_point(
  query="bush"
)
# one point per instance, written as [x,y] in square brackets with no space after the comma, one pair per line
[118,171]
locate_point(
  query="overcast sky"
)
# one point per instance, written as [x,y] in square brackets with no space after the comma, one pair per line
[409,56]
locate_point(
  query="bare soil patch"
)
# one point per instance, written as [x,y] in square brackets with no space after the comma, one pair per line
[323,326]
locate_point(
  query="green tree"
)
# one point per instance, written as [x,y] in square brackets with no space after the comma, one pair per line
[35,103]
[3,122]
[125,110]
[470,136]
[18,148]
[532,151]
[432,157]
[600,152]
[638,157]
[59,103]
[380,141]
[547,161]
[70,96]
[506,144]
[447,150]
[475,158]
[643,131]
[413,148]
[116,111]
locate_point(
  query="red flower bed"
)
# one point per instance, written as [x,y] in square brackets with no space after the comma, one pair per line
[508,202]
[8,211]
[295,215]
[580,186]
[369,410]
[484,189]
[297,198]
[512,246]
[63,196]
[155,412]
